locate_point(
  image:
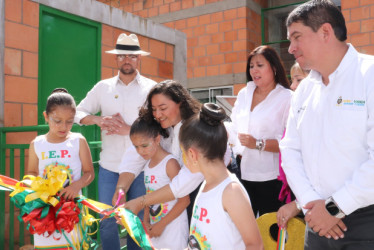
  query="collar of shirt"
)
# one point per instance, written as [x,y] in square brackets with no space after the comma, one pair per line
[135,80]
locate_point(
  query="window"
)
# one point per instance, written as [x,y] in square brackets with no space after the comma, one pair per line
[209,94]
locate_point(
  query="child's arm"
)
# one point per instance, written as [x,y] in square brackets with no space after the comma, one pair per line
[172,169]
[237,205]
[147,224]
[71,191]
[33,166]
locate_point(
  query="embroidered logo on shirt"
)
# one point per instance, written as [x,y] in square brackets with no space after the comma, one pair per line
[301,109]
[349,103]
[116,96]
[200,216]
[197,241]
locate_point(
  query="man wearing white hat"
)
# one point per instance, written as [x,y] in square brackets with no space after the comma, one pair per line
[118,99]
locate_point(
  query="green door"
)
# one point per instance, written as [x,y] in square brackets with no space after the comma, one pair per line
[69,55]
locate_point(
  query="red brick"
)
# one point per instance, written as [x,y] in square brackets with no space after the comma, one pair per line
[188,32]
[199,72]
[138,6]
[230,14]
[106,72]
[149,66]
[21,37]
[242,12]
[218,59]
[225,26]
[30,114]
[169,53]
[240,23]
[153,12]
[107,37]
[347,15]
[192,62]
[231,57]
[189,52]
[165,69]
[128,8]
[225,47]
[353,27]
[189,73]
[366,2]
[198,31]
[143,13]
[180,24]
[144,42]
[175,6]
[243,56]
[199,51]
[217,17]
[242,34]
[20,138]
[367,25]
[192,42]
[168,1]
[204,40]
[13,114]
[204,19]
[238,87]
[348,4]
[212,49]
[217,38]
[212,70]
[360,13]
[12,62]
[157,49]
[108,60]
[186,4]
[239,67]
[240,45]
[170,25]
[19,89]
[204,61]
[372,11]
[13,10]
[158,2]
[199,2]
[164,9]
[30,64]
[225,69]
[192,22]
[148,4]
[231,35]
[212,28]
[360,39]
[367,50]
[30,13]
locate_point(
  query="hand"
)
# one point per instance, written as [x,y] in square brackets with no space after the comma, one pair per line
[247,140]
[115,197]
[337,231]
[156,229]
[147,226]
[71,191]
[134,205]
[318,218]
[111,123]
[285,213]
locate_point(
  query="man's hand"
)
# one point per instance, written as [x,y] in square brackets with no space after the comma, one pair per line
[337,231]
[134,205]
[319,219]
[115,196]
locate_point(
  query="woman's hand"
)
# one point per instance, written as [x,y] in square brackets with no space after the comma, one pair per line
[247,140]
[285,213]
[115,196]
[134,205]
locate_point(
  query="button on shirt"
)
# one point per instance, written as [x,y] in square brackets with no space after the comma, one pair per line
[328,146]
[111,96]
[266,121]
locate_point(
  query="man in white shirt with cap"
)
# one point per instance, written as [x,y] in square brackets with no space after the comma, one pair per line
[328,148]
[118,99]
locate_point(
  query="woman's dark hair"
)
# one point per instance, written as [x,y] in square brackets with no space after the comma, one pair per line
[317,12]
[275,62]
[59,97]
[206,131]
[147,126]
[175,92]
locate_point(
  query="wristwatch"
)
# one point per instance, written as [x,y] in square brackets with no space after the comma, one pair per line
[260,144]
[333,208]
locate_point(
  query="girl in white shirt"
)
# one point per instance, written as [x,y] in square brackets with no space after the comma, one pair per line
[167,222]
[258,120]
[222,215]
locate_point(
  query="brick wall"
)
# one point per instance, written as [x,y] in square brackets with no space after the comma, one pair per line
[217,43]
[359,16]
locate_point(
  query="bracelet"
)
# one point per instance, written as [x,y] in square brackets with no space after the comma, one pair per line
[298,206]
[142,203]
[120,187]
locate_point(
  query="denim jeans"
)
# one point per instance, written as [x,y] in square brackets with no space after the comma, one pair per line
[108,227]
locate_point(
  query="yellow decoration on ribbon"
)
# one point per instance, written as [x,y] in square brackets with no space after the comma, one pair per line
[45,189]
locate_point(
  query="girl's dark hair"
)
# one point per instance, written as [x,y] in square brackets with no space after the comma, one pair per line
[147,126]
[206,131]
[59,97]
[275,62]
[175,92]
[317,12]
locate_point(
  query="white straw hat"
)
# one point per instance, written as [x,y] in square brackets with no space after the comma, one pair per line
[128,44]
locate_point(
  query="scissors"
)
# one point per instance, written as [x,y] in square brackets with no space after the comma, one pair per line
[107,212]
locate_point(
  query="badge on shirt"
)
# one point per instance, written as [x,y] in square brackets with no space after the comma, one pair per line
[350,103]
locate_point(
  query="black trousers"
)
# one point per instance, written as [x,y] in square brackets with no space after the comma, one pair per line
[359,234]
[263,195]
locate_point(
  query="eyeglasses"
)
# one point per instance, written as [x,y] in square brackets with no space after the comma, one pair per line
[131,57]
